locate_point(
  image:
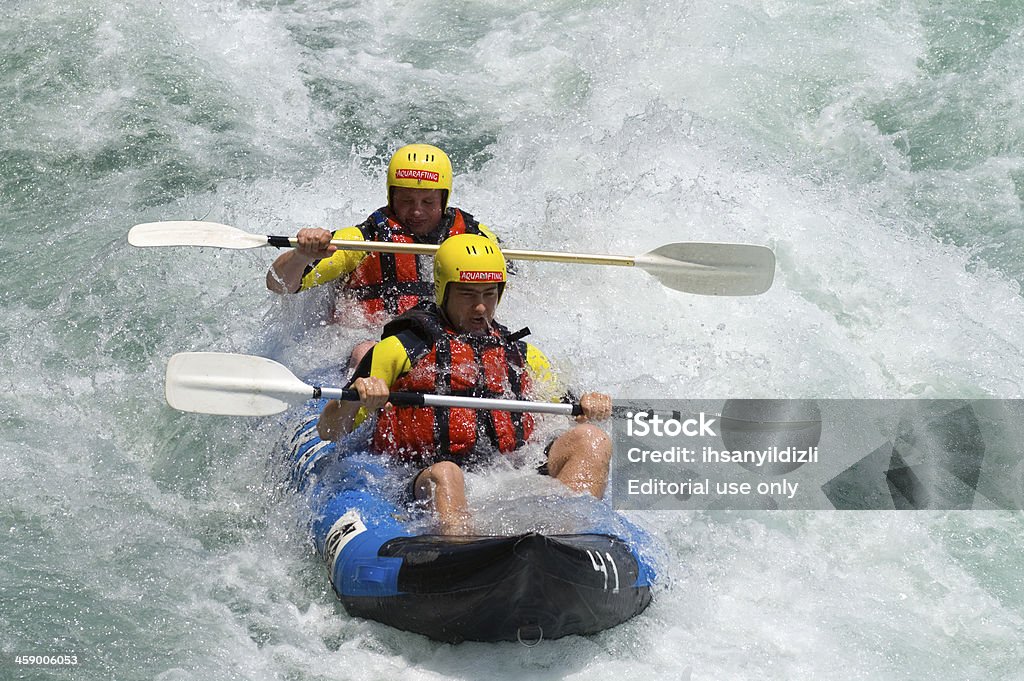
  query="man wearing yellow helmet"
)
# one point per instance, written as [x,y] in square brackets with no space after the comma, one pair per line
[383,284]
[453,346]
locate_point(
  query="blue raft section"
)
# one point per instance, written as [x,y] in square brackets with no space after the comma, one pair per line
[493,588]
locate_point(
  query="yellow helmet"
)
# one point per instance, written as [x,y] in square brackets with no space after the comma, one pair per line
[468,258]
[420,166]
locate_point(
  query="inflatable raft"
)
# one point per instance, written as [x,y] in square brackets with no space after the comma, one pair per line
[527,587]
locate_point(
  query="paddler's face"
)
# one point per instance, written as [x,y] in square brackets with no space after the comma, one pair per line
[418,210]
[470,307]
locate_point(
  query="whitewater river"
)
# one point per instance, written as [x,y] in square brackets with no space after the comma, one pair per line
[877,146]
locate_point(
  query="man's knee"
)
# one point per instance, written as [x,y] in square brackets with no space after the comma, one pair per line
[585,442]
[446,472]
[443,475]
[358,352]
[586,437]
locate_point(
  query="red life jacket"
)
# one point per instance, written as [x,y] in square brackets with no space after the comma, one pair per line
[388,284]
[446,363]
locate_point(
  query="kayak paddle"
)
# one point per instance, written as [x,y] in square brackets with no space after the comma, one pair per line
[714,269]
[245,385]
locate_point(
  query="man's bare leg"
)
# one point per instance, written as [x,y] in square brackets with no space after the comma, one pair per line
[580,458]
[444,484]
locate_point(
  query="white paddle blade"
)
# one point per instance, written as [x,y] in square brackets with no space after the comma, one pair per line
[711,269]
[232,385]
[192,233]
